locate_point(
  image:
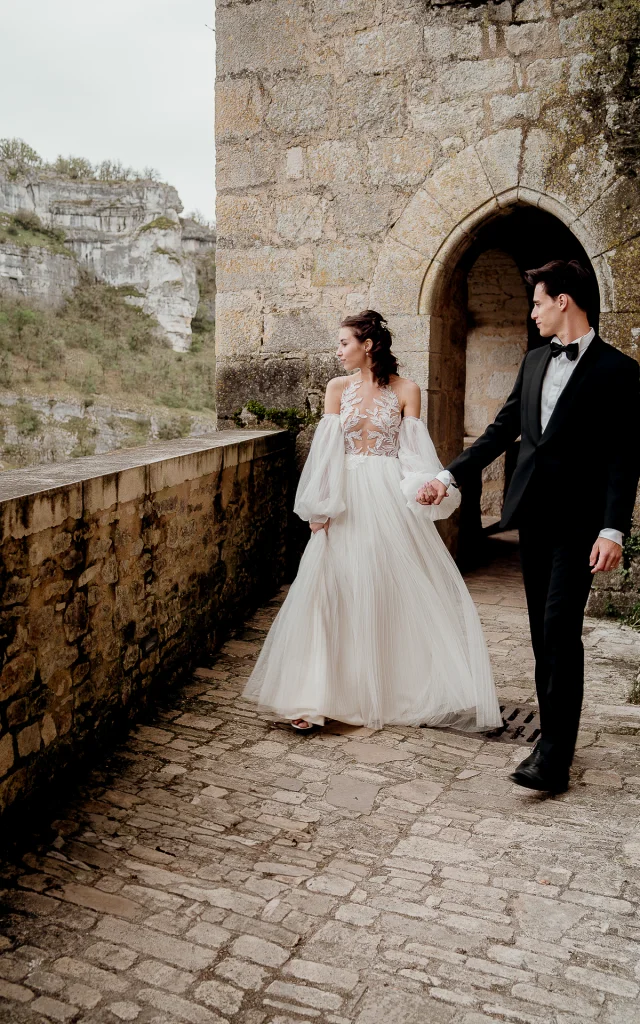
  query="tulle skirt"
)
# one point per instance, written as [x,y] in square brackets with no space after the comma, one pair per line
[378,626]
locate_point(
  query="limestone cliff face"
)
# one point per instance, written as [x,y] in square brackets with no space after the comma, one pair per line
[125,233]
[37,272]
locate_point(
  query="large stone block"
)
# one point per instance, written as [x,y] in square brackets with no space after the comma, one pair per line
[533,10]
[461,184]
[342,265]
[239,325]
[245,164]
[266,267]
[468,78]
[243,220]
[500,158]
[387,48]
[334,163]
[459,118]
[241,104]
[442,42]
[301,330]
[424,224]
[300,105]
[300,218]
[624,262]
[410,334]
[345,15]
[401,161]
[545,72]
[397,279]
[573,32]
[525,105]
[530,36]
[261,36]
[373,104]
[365,213]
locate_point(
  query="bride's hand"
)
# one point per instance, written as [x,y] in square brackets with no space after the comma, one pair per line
[316,527]
[426,495]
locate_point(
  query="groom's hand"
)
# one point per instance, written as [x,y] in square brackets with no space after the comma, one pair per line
[436,492]
[605,555]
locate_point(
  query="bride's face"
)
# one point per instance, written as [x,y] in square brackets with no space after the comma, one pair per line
[350,351]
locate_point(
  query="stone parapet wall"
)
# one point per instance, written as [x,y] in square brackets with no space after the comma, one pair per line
[118,572]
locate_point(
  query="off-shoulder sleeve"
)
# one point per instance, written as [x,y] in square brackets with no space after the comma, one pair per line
[320,494]
[419,464]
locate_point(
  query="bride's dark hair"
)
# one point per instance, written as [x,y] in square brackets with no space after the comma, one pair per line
[372,326]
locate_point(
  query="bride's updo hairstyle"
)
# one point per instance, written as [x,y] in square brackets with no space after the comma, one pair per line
[371,326]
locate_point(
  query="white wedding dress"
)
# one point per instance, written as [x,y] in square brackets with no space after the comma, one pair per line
[378,627]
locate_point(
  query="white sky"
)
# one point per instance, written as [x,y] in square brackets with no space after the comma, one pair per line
[128,80]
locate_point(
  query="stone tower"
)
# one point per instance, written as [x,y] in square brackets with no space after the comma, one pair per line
[416,156]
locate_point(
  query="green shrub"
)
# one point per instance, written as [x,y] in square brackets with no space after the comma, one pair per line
[27,420]
[160,224]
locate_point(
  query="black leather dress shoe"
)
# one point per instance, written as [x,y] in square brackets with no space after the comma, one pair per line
[534,759]
[534,776]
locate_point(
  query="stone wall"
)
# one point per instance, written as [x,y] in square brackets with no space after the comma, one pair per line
[496,342]
[362,146]
[118,573]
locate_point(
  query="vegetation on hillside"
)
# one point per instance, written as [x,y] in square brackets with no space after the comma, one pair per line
[98,344]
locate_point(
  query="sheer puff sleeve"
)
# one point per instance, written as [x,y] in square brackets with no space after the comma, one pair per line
[320,494]
[419,464]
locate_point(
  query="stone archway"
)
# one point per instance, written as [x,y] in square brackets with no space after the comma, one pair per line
[420,281]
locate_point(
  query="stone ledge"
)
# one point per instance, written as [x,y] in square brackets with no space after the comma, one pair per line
[55,492]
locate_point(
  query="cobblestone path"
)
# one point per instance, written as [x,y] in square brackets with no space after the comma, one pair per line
[219,868]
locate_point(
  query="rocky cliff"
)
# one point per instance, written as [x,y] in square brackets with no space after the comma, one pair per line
[127,234]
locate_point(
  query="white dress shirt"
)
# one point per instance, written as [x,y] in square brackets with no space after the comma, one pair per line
[555,380]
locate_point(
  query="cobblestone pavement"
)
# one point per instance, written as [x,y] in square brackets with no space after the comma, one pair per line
[220,868]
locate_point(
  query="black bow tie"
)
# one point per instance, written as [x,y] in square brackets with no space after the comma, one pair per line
[571,351]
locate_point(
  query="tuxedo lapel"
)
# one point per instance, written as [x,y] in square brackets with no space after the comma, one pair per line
[535,395]
[571,389]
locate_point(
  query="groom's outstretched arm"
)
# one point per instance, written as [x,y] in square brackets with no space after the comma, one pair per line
[496,438]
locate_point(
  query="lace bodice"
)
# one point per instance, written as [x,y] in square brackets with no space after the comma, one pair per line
[373,431]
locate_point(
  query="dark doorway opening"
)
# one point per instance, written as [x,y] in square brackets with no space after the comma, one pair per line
[485,329]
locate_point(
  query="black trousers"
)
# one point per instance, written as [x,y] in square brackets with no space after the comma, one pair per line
[557,580]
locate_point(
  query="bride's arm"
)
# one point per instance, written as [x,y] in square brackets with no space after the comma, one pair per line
[420,464]
[320,494]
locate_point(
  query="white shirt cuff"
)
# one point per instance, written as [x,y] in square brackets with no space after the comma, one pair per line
[445,478]
[613,535]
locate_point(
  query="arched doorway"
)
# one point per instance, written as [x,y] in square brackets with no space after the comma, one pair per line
[480,329]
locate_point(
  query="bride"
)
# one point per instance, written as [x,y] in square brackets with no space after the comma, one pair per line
[378,627]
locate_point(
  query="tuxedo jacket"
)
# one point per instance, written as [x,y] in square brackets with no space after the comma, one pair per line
[584,467]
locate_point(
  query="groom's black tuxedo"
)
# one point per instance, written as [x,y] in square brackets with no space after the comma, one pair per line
[587,461]
[571,480]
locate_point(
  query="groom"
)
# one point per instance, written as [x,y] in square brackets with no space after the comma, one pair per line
[576,406]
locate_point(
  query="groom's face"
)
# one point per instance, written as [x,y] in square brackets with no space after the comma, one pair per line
[547,312]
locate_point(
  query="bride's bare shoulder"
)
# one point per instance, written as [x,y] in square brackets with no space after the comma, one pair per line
[406,387]
[336,384]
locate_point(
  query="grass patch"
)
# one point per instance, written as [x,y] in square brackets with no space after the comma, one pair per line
[25,228]
[160,224]
[100,346]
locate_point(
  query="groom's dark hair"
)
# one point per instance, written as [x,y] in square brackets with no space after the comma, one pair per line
[562,278]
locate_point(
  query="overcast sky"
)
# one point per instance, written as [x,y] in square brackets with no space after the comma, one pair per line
[128,80]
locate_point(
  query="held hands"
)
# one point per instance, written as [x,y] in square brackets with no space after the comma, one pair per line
[605,555]
[431,493]
[316,527]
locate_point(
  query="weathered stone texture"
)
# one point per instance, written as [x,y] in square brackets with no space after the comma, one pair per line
[115,575]
[362,147]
